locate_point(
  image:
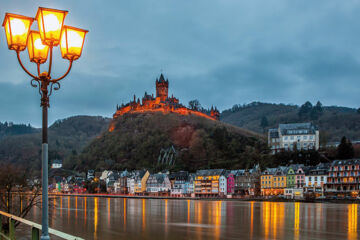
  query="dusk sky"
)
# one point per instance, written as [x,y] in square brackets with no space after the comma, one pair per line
[221,52]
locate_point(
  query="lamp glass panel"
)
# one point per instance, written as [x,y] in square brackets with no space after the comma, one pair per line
[38,52]
[17,31]
[50,24]
[72,41]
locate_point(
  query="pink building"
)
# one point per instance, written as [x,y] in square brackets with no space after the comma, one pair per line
[300,178]
[230,183]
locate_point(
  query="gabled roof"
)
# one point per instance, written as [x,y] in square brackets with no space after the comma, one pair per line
[210,172]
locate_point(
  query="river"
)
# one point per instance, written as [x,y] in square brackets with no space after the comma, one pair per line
[121,218]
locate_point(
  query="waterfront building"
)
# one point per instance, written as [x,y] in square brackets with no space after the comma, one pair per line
[140,178]
[223,183]
[190,184]
[206,182]
[344,177]
[230,180]
[300,176]
[158,184]
[293,136]
[120,186]
[247,182]
[316,179]
[267,181]
[279,181]
[290,177]
[179,183]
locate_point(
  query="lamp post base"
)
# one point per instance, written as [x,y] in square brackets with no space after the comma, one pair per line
[45,237]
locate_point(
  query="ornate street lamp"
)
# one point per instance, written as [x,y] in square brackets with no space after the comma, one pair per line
[52,32]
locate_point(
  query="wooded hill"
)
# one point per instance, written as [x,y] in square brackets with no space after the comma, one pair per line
[333,122]
[137,140]
[67,137]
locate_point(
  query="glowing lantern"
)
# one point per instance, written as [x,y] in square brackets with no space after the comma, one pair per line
[38,52]
[17,29]
[50,23]
[72,42]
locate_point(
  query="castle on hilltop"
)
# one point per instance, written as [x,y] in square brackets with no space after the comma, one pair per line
[161,103]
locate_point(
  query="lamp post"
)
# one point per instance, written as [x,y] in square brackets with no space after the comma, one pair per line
[52,33]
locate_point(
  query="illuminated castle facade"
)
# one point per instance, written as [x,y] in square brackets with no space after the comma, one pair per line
[161,103]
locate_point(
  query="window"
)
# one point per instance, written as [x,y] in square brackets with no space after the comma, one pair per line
[322,178]
[311,137]
[315,179]
[305,137]
[310,179]
[292,138]
[286,138]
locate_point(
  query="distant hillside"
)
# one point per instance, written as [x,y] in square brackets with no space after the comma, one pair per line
[137,140]
[333,122]
[67,137]
[10,129]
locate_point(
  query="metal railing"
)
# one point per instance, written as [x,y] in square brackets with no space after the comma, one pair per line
[35,229]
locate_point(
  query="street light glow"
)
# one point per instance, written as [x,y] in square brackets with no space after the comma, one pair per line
[17,29]
[50,22]
[72,42]
[38,52]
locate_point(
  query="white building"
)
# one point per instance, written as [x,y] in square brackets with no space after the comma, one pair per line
[223,184]
[56,164]
[316,179]
[131,185]
[293,136]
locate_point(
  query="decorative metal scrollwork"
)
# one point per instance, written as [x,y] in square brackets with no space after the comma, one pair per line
[35,83]
[55,86]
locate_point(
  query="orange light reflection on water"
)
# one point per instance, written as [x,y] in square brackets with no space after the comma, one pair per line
[251,219]
[352,221]
[297,221]
[108,211]
[217,219]
[95,216]
[143,214]
[124,214]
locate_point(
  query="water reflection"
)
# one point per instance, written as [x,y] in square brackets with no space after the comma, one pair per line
[143,214]
[95,216]
[297,220]
[352,221]
[111,218]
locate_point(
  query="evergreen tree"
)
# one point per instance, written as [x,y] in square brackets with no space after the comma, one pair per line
[358,111]
[264,123]
[316,111]
[305,110]
[345,149]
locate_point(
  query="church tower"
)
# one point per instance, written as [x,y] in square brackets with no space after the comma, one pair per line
[162,87]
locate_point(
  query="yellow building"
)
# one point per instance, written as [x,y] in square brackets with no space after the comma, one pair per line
[266,181]
[207,183]
[273,181]
[140,183]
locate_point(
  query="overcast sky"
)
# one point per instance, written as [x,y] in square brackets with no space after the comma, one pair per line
[221,52]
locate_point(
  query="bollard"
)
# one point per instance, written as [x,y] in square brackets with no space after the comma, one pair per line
[35,233]
[12,229]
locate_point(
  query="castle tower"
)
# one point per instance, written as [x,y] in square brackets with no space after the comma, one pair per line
[162,87]
[214,113]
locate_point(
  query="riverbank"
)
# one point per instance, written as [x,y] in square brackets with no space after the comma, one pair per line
[257,199]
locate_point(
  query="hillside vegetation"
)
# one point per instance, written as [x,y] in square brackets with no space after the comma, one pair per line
[138,139]
[333,122]
[67,137]
[10,129]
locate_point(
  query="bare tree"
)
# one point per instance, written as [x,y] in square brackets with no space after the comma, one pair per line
[18,192]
